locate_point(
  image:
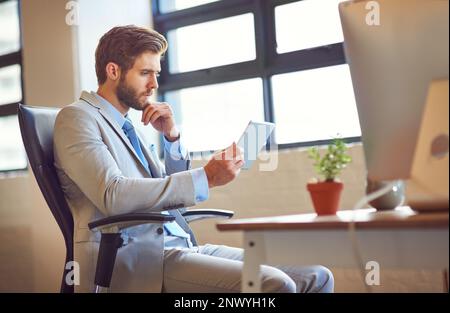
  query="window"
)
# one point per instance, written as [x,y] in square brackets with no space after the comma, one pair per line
[307,24]
[225,117]
[280,61]
[173,5]
[312,114]
[186,55]
[12,153]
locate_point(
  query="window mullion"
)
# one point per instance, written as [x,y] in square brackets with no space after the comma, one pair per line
[8,109]
[221,74]
[308,59]
[11,58]
[265,51]
[203,13]
[265,33]
[155,8]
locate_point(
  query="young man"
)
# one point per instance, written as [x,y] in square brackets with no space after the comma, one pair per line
[106,168]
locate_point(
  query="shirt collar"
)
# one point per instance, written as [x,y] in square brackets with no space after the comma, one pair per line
[112,111]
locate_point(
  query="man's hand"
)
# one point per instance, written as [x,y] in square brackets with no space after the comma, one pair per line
[224,166]
[160,115]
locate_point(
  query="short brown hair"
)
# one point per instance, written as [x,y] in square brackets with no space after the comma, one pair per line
[123,44]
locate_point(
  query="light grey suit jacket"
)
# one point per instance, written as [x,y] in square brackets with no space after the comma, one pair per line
[101,175]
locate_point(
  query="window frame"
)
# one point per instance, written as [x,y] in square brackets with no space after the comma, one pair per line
[267,63]
[13,58]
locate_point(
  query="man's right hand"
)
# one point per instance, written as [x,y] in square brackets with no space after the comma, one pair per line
[224,166]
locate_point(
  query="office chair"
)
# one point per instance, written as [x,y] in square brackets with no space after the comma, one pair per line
[36,126]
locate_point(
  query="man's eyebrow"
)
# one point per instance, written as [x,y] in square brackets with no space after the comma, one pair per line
[150,70]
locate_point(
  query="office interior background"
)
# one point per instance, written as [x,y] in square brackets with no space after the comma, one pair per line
[226,64]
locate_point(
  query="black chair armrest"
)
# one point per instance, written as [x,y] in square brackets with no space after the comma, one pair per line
[111,241]
[199,214]
[122,221]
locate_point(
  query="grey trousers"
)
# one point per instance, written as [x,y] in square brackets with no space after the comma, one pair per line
[218,268]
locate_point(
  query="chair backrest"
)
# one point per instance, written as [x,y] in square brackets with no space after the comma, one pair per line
[36,126]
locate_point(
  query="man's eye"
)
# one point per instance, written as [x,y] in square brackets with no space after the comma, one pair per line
[147,73]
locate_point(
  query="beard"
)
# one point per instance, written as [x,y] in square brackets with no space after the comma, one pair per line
[129,96]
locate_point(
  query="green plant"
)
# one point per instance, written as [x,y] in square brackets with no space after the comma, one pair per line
[334,160]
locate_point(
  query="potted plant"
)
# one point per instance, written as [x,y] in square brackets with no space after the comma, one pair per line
[326,194]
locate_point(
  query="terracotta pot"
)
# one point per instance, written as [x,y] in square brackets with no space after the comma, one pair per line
[325,196]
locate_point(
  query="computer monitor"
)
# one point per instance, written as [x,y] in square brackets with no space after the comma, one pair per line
[396,49]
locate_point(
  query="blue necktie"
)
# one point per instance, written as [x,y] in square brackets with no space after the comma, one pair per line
[172,228]
[131,134]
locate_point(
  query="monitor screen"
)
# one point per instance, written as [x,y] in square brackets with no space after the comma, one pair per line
[393,58]
[395,50]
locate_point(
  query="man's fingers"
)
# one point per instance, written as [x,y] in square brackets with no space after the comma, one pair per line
[149,116]
[155,116]
[234,148]
[234,152]
[237,152]
[147,112]
[231,153]
[162,112]
[152,107]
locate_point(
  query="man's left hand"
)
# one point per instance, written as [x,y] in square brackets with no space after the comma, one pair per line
[160,115]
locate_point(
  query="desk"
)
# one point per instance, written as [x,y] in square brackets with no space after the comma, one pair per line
[399,238]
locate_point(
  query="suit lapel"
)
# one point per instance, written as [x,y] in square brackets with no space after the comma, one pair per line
[91,99]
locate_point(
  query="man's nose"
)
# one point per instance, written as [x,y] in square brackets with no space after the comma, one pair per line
[153,83]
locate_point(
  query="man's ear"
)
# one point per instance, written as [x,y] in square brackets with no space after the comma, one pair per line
[113,71]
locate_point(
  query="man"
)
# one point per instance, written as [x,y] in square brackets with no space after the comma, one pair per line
[105,169]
